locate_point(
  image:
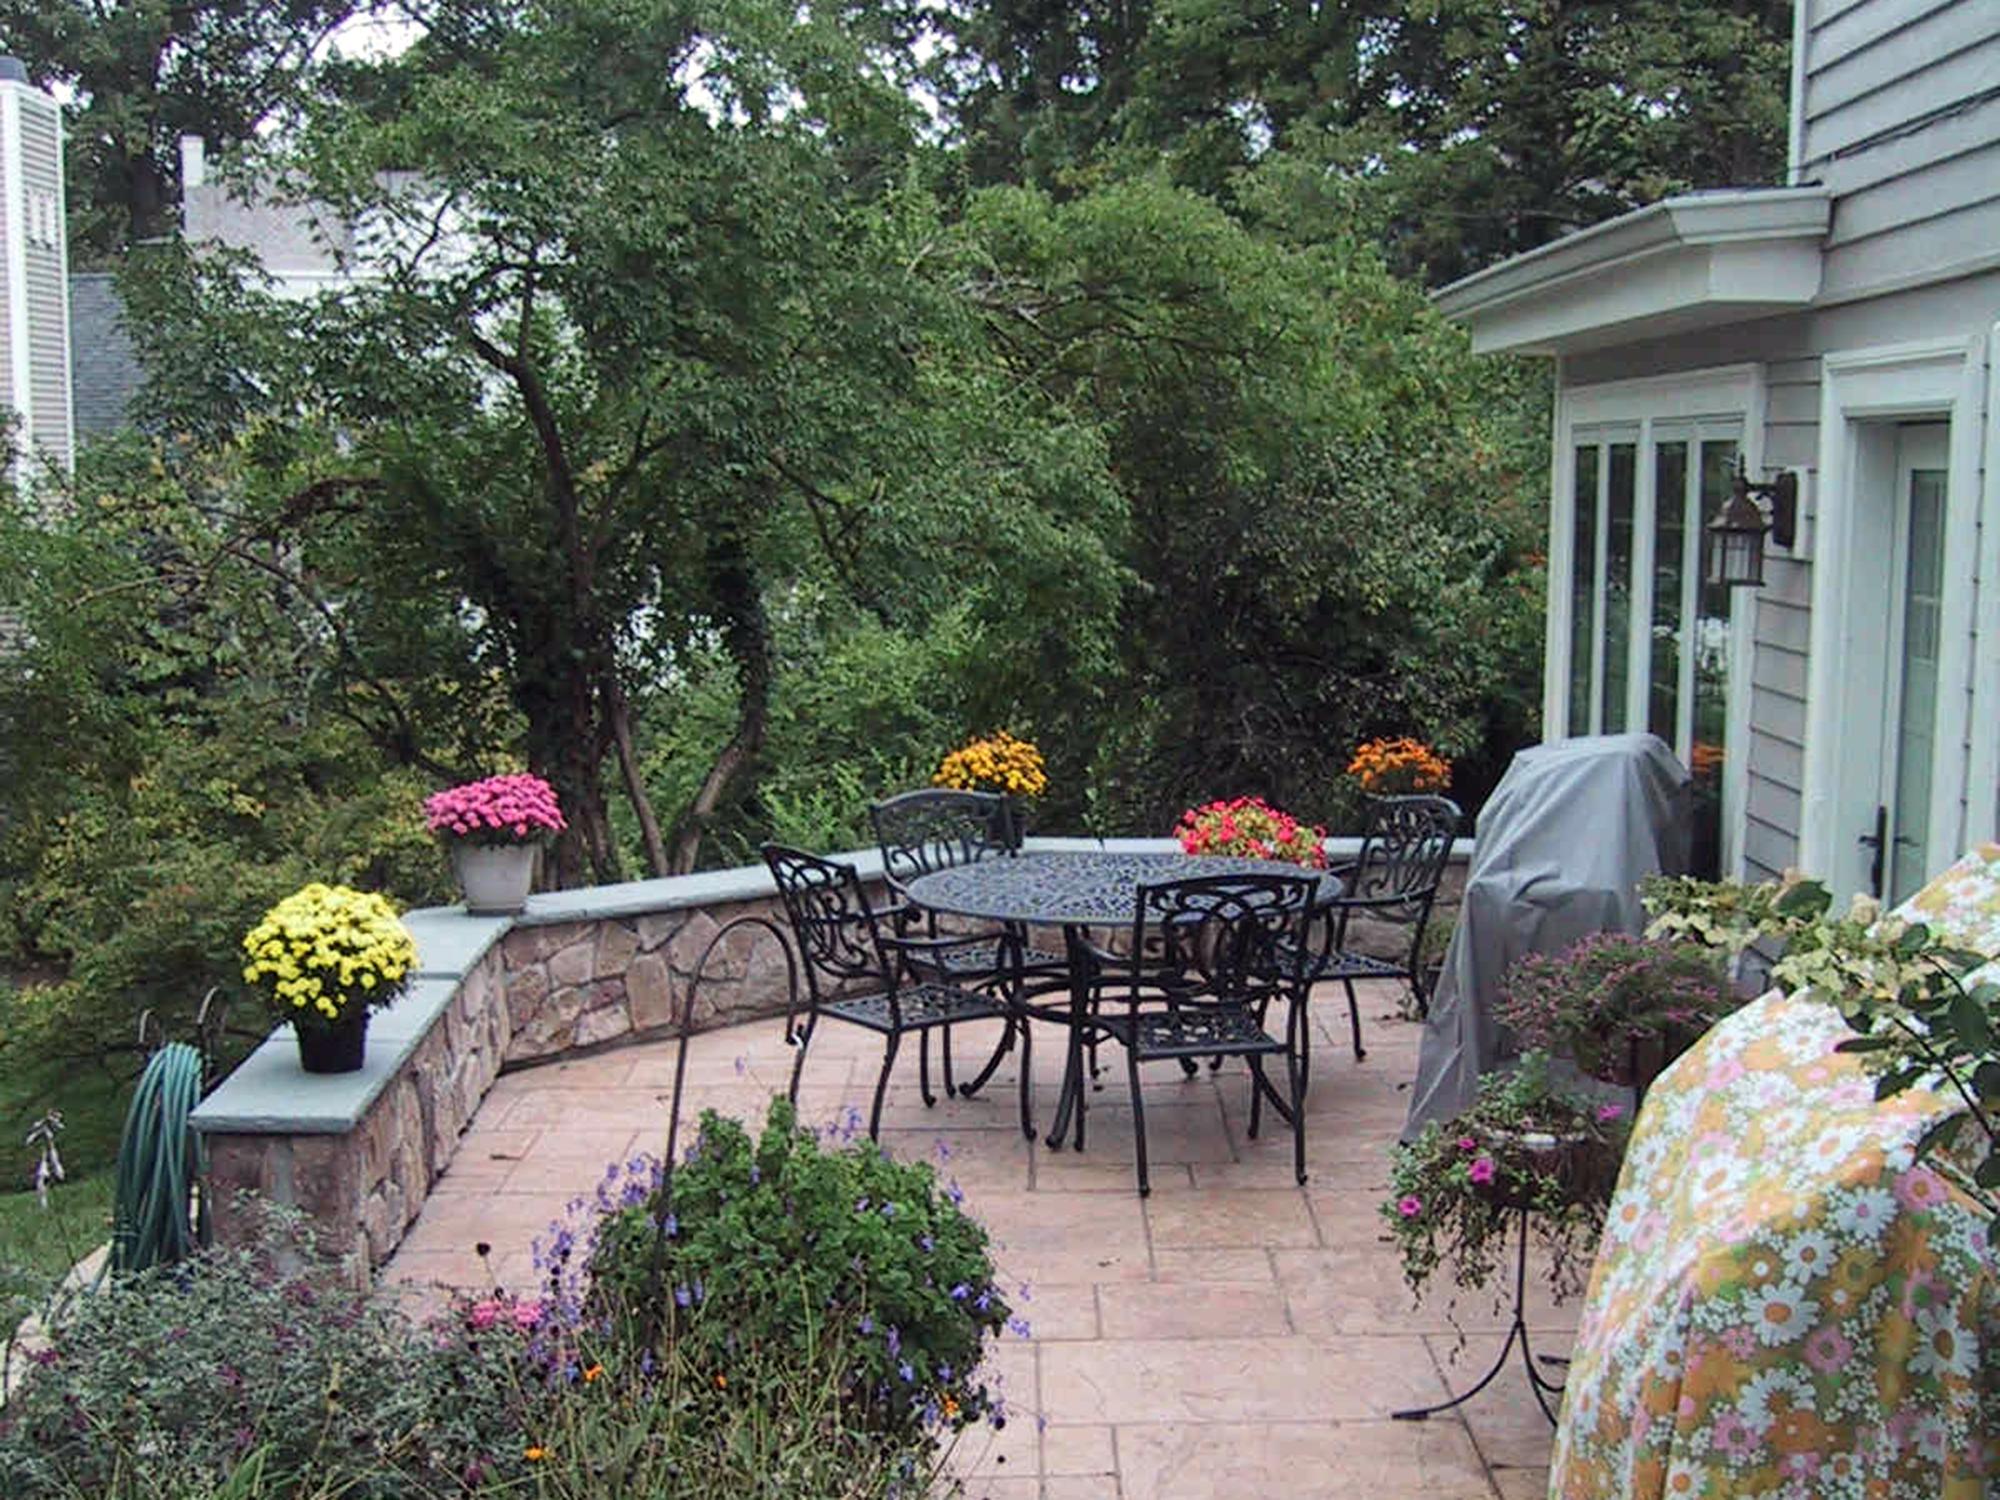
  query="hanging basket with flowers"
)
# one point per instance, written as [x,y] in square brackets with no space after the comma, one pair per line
[1250,828]
[495,828]
[322,959]
[1523,1144]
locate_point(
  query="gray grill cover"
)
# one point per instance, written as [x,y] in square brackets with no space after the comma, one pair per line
[1561,847]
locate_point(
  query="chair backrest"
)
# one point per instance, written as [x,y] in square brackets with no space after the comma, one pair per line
[831,919]
[1233,938]
[1404,852]
[936,828]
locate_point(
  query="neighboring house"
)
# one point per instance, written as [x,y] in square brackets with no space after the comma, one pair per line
[1842,327]
[34,272]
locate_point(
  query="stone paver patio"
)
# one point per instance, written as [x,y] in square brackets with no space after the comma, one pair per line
[1233,1335]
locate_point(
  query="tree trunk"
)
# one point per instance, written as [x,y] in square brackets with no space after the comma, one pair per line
[746,635]
[619,713]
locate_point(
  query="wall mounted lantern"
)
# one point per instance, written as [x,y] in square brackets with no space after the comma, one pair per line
[1736,537]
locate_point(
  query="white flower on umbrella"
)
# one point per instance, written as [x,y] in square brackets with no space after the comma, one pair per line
[1780,1313]
[1756,1399]
[1809,1255]
[1862,1213]
[1944,1348]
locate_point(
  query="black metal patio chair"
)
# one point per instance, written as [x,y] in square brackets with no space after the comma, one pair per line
[859,973]
[1211,959]
[1395,879]
[936,828]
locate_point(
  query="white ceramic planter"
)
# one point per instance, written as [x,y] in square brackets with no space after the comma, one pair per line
[495,878]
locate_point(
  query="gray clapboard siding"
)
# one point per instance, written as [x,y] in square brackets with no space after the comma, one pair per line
[1837,36]
[1940,187]
[1947,38]
[1767,851]
[7,399]
[1967,237]
[1778,762]
[44,283]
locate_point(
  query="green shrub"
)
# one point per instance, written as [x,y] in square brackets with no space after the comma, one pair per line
[781,1248]
[189,1371]
[263,1372]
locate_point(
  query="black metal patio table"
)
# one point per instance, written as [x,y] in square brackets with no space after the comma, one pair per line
[1076,892]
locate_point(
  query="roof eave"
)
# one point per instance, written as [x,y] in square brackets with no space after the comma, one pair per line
[1688,262]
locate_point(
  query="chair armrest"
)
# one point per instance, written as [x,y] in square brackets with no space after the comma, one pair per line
[938,944]
[1366,903]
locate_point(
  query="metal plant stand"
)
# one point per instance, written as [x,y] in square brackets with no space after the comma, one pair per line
[1539,1383]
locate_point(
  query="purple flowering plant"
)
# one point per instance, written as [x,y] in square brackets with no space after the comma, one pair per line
[1523,1143]
[785,1244]
[1596,999]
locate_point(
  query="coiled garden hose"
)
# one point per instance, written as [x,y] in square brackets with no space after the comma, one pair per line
[154,1218]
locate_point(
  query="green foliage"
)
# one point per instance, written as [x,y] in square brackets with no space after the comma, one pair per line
[191,1371]
[1453,133]
[1925,1011]
[39,1243]
[263,1372]
[178,760]
[1331,532]
[779,1247]
[1523,1141]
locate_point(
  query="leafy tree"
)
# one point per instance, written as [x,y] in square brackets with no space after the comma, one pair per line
[1331,519]
[652,324]
[181,748]
[1469,129]
[144,73]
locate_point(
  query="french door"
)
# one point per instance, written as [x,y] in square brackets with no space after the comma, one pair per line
[1900,842]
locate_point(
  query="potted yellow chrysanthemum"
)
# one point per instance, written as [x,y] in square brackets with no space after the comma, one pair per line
[322,959]
[999,763]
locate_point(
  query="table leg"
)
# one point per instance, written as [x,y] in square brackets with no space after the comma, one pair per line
[1069,1102]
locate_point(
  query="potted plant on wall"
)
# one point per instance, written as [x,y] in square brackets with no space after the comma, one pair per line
[494,829]
[1002,763]
[1621,1007]
[1250,828]
[1524,1144]
[322,959]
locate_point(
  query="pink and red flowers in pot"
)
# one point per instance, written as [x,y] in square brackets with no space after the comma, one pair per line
[1250,828]
[517,809]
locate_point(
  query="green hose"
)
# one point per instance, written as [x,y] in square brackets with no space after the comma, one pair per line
[154,1220]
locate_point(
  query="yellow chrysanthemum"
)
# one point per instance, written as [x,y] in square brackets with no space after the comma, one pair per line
[329,950]
[997,763]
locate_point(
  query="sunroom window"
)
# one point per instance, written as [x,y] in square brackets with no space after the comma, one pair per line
[1647,640]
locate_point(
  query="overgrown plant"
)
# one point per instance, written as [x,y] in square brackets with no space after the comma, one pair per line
[784,1248]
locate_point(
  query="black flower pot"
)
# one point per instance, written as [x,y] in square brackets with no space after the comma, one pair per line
[336,1047]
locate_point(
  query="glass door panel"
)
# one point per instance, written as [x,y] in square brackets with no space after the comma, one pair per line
[1583,588]
[1663,697]
[1911,759]
[1709,745]
[1619,498]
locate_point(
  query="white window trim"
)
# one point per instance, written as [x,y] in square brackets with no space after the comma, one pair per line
[1724,392]
[1938,378]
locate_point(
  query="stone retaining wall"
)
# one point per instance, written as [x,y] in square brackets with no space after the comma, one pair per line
[583,985]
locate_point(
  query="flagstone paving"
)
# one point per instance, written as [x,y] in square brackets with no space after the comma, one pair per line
[1232,1335]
